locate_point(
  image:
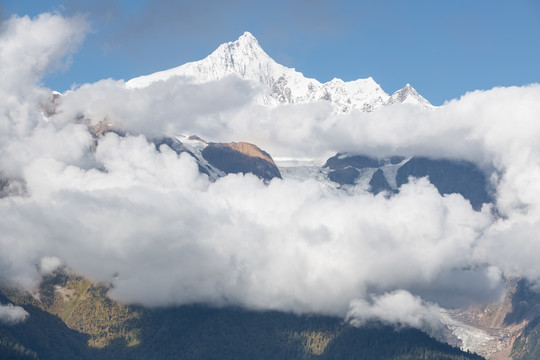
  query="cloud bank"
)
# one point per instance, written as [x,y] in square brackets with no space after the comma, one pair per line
[147,222]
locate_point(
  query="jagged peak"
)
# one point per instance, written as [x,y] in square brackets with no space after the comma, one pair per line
[245,41]
[408,94]
[354,83]
[247,36]
[245,46]
[368,80]
[245,58]
[336,80]
[407,89]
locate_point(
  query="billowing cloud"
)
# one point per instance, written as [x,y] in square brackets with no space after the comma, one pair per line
[33,47]
[162,233]
[166,107]
[11,315]
[149,224]
[398,307]
[29,48]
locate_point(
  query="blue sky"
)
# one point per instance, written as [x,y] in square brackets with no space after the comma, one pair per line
[442,48]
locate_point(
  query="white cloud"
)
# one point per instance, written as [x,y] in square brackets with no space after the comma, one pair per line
[147,222]
[29,48]
[12,315]
[162,233]
[49,264]
[165,107]
[33,47]
[397,307]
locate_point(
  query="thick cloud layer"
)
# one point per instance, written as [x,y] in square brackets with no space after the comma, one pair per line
[161,233]
[148,223]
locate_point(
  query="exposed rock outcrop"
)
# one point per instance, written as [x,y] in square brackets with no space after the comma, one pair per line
[341,161]
[346,176]
[388,174]
[241,157]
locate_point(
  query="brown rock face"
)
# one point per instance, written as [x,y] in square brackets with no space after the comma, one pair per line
[241,157]
[250,150]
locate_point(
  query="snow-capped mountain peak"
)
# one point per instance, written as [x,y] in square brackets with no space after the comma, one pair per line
[408,95]
[247,36]
[236,55]
[243,57]
[246,59]
[247,39]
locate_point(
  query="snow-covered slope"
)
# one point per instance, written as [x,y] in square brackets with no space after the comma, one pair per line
[408,95]
[280,85]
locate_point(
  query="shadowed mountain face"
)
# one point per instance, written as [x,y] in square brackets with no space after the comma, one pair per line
[378,183]
[173,143]
[527,345]
[219,159]
[448,176]
[242,157]
[346,176]
[525,311]
[178,148]
[41,336]
[341,161]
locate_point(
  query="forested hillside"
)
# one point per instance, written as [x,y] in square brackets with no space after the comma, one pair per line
[73,318]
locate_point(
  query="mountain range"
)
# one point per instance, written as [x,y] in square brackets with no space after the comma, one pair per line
[515,322]
[278,84]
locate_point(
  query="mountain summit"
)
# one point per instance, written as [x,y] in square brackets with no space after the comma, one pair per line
[408,95]
[279,84]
